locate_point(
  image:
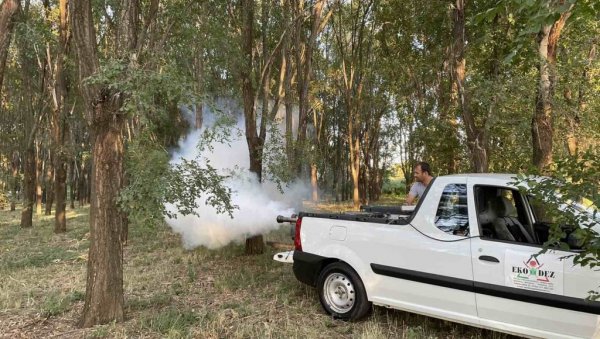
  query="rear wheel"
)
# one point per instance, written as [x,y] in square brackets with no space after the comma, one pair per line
[342,293]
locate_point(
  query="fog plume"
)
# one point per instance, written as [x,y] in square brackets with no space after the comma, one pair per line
[258,204]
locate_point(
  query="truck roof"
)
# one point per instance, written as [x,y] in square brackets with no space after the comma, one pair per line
[500,176]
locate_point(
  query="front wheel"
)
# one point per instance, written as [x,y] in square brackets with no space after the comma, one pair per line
[342,293]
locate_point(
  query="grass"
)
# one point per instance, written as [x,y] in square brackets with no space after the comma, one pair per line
[175,293]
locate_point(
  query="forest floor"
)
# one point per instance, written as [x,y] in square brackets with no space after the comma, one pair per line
[173,292]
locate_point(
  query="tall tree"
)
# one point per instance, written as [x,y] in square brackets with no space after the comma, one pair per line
[541,125]
[59,121]
[32,112]
[104,291]
[476,136]
[254,244]
[57,86]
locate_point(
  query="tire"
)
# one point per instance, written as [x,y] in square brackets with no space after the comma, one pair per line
[342,293]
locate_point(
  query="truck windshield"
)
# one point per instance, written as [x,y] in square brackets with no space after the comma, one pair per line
[582,209]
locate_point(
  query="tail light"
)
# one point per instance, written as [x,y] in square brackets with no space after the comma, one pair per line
[297,241]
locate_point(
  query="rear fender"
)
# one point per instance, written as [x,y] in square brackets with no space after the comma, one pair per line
[344,254]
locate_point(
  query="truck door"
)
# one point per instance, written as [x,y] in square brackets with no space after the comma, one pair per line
[514,286]
[425,266]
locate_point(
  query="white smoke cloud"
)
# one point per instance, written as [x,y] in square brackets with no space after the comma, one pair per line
[258,204]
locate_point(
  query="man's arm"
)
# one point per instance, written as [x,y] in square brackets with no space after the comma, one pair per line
[412,195]
[410,199]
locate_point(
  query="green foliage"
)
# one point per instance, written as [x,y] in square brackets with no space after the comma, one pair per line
[276,167]
[394,186]
[570,199]
[143,197]
[154,185]
[189,180]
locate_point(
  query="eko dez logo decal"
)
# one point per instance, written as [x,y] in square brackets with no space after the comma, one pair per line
[533,269]
[542,273]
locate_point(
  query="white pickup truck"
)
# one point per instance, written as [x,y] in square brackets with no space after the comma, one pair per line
[467,253]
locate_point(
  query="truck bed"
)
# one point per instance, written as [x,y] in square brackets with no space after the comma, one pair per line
[374,214]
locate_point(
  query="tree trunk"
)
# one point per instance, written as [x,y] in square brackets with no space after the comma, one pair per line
[15,164]
[49,187]
[104,292]
[579,107]
[476,137]
[81,189]
[254,244]
[28,187]
[8,11]
[72,183]
[39,175]
[450,145]
[286,64]
[313,183]
[60,193]
[248,89]
[541,125]
[59,122]
[354,145]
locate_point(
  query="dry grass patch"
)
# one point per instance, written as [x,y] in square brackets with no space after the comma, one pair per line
[175,293]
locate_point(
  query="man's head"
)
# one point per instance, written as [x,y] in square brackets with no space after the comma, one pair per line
[422,172]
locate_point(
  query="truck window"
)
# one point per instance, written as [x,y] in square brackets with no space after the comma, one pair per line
[452,213]
[502,215]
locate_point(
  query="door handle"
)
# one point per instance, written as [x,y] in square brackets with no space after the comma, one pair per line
[488,258]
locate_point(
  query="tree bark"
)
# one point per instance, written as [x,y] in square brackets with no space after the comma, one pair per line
[286,65]
[31,124]
[476,136]
[15,164]
[355,168]
[449,123]
[577,108]
[49,189]
[104,292]
[313,183]
[28,187]
[72,183]
[541,124]
[39,175]
[254,244]
[8,11]
[59,121]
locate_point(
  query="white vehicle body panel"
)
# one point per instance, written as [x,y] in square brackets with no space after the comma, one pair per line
[427,254]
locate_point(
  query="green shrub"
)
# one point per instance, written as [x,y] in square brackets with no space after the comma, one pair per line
[569,198]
